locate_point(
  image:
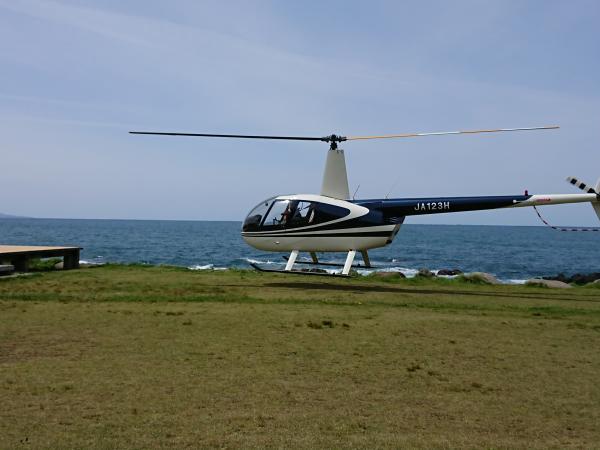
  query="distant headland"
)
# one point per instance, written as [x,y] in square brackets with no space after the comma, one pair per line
[9,216]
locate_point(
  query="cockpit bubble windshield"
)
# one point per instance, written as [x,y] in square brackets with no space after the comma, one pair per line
[255,217]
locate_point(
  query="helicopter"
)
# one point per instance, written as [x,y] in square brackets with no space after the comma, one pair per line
[332,221]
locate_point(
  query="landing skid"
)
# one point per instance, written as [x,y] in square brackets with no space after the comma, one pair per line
[298,272]
[289,266]
[329,264]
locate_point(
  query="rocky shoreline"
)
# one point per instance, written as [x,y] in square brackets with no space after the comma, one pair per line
[558,281]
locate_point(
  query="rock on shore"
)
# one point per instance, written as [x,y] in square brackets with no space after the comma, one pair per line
[449,272]
[548,283]
[389,275]
[578,278]
[426,273]
[480,277]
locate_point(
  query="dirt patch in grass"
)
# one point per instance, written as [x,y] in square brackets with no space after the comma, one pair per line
[29,347]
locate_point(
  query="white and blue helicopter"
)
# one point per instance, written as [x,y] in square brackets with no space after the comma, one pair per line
[333,222]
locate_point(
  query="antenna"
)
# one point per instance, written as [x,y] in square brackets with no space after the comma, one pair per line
[354,195]
[392,187]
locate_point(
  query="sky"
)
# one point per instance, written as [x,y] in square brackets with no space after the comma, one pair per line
[76,76]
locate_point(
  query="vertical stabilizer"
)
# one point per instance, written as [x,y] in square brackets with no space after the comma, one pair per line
[335,178]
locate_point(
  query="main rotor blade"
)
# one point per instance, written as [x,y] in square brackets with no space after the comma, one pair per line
[242,136]
[440,133]
[336,138]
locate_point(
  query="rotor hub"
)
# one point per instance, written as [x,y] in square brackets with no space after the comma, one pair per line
[333,140]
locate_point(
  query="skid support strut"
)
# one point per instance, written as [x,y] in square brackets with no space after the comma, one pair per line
[365,257]
[291,260]
[348,263]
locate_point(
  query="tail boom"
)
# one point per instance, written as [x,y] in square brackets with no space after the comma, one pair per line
[557,199]
[436,205]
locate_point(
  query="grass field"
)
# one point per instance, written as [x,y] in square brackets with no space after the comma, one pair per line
[157,357]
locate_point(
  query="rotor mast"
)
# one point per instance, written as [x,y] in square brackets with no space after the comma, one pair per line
[335,176]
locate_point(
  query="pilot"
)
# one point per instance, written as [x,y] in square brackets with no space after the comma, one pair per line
[288,213]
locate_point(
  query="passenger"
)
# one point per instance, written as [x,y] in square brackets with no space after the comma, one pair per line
[311,213]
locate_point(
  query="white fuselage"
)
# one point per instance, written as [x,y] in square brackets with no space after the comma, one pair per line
[320,223]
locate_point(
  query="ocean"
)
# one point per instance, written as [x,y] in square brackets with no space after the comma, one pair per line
[511,253]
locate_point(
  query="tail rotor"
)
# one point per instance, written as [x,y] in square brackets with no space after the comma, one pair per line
[584,187]
[597,205]
[590,190]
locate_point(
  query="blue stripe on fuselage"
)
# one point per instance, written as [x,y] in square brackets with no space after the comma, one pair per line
[436,205]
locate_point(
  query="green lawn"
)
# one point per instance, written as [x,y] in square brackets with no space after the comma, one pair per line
[157,357]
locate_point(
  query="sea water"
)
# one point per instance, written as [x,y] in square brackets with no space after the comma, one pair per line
[511,253]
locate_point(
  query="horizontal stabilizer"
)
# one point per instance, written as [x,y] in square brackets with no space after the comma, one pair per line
[581,185]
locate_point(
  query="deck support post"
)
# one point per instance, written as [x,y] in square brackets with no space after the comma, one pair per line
[292,260]
[348,263]
[21,263]
[71,260]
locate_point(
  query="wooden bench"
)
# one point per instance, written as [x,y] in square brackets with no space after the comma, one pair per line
[19,255]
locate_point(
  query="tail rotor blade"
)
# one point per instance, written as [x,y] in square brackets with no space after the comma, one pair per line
[581,185]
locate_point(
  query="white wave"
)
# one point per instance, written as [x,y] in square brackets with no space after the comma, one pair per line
[256,261]
[90,263]
[206,267]
[512,281]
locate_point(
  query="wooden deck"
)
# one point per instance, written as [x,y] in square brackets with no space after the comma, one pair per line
[19,255]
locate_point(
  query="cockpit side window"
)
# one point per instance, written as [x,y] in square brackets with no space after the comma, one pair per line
[280,214]
[325,213]
[296,213]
